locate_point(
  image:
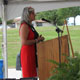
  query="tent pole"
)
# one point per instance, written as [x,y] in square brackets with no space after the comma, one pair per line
[4,44]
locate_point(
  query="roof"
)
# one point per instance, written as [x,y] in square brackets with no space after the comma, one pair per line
[18,19]
[40,21]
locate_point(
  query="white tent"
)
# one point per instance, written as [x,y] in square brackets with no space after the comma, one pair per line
[13,9]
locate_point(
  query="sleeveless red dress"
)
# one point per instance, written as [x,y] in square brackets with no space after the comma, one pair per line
[28,61]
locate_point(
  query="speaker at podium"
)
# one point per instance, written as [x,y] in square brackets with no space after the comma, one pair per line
[49,50]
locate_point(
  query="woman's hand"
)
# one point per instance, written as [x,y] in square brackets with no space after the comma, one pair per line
[40,38]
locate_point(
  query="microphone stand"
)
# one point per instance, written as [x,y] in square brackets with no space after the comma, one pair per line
[58,31]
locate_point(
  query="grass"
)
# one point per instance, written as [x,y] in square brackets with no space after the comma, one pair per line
[13,40]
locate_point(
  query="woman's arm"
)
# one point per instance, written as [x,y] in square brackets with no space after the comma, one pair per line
[24,31]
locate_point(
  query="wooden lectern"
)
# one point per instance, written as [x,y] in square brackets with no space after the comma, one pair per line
[49,50]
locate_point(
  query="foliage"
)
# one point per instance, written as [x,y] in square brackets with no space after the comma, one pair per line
[49,15]
[8,22]
[65,13]
[67,71]
[0,20]
[74,11]
[58,16]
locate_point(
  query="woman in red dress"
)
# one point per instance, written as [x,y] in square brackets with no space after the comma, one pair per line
[29,38]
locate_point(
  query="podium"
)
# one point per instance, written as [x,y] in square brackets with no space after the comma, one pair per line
[49,50]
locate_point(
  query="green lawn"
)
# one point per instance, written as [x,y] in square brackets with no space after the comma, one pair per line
[13,40]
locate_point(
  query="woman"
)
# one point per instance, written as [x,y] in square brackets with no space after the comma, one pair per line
[29,38]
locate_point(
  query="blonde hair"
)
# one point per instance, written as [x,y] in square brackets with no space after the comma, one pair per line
[25,14]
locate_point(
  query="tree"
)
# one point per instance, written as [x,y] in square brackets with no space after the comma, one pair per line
[58,16]
[49,15]
[65,13]
[74,11]
[8,22]
[0,20]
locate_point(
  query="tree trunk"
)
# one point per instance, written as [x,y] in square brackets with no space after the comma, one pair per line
[74,21]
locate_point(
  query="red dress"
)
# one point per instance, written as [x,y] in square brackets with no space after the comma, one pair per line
[28,61]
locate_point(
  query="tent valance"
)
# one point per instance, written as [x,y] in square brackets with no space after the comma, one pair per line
[15,7]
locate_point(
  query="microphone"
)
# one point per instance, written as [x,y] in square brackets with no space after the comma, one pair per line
[57,29]
[46,20]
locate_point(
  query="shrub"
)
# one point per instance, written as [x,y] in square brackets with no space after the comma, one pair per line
[67,71]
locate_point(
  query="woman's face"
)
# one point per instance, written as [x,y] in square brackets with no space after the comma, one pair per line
[32,16]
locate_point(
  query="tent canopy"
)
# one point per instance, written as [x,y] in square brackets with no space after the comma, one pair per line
[15,7]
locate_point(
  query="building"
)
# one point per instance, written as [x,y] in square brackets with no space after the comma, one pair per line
[41,23]
[71,21]
[36,23]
